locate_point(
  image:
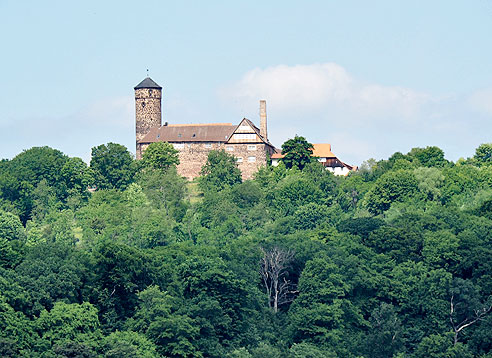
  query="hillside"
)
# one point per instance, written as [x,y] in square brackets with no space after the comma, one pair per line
[394,260]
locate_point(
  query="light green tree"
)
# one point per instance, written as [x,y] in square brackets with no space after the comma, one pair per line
[219,172]
[160,155]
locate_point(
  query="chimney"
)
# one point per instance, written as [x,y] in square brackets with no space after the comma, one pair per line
[263,120]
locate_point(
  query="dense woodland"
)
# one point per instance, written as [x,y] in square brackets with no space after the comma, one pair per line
[394,260]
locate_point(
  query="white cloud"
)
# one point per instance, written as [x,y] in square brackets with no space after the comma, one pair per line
[321,86]
[325,103]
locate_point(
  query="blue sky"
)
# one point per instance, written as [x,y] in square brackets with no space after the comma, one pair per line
[371,78]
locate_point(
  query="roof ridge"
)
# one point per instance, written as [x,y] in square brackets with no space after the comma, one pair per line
[199,124]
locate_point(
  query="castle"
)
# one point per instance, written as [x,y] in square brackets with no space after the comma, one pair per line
[248,143]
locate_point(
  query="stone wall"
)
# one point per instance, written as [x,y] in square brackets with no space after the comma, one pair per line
[249,159]
[193,156]
[147,113]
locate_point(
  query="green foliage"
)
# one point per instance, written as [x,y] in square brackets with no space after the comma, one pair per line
[360,226]
[430,181]
[128,344]
[77,175]
[293,192]
[12,238]
[309,216]
[306,350]
[219,172]
[160,155]
[69,323]
[429,156]
[297,152]
[166,190]
[384,335]
[149,266]
[10,227]
[483,154]
[438,346]
[112,165]
[24,172]
[391,187]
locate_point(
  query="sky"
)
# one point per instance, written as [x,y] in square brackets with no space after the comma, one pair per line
[370,77]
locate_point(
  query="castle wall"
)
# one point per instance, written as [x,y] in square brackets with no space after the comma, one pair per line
[193,156]
[245,154]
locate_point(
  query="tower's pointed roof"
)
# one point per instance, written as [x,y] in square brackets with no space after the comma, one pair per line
[148,83]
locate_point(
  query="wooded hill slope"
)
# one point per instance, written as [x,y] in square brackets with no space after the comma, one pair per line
[392,261]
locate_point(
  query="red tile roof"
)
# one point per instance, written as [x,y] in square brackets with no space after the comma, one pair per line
[214,132]
[321,150]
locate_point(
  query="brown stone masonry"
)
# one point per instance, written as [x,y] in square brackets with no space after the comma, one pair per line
[147,112]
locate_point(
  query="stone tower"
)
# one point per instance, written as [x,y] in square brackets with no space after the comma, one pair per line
[148,95]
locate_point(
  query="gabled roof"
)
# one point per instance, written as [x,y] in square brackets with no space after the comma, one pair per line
[147,83]
[215,132]
[323,150]
[255,130]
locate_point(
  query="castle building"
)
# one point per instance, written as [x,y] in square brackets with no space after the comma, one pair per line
[248,143]
[325,156]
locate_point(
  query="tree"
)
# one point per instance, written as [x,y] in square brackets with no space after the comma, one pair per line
[307,350]
[483,154]
[466,309]
[160,155]
[12,238]
[292,192]
[383,339]
[112,165]
[298,152]
[77,175]
[174,333]
[390,187]
[69,323]
[429,156]
[10,227]
[128,344]
[219,172]
[274,274]
[23,173]
[308,216]
[165,190]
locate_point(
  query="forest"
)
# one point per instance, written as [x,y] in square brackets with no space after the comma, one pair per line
[124,258]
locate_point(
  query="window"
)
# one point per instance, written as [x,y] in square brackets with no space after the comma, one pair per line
[322,160]
[239,159]
[251,159]
[244,128]
[178,145]
[244,136]
[251,147]
[208,145]
[229,148]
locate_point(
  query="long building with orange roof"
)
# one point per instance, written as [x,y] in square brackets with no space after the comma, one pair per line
[322,151]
